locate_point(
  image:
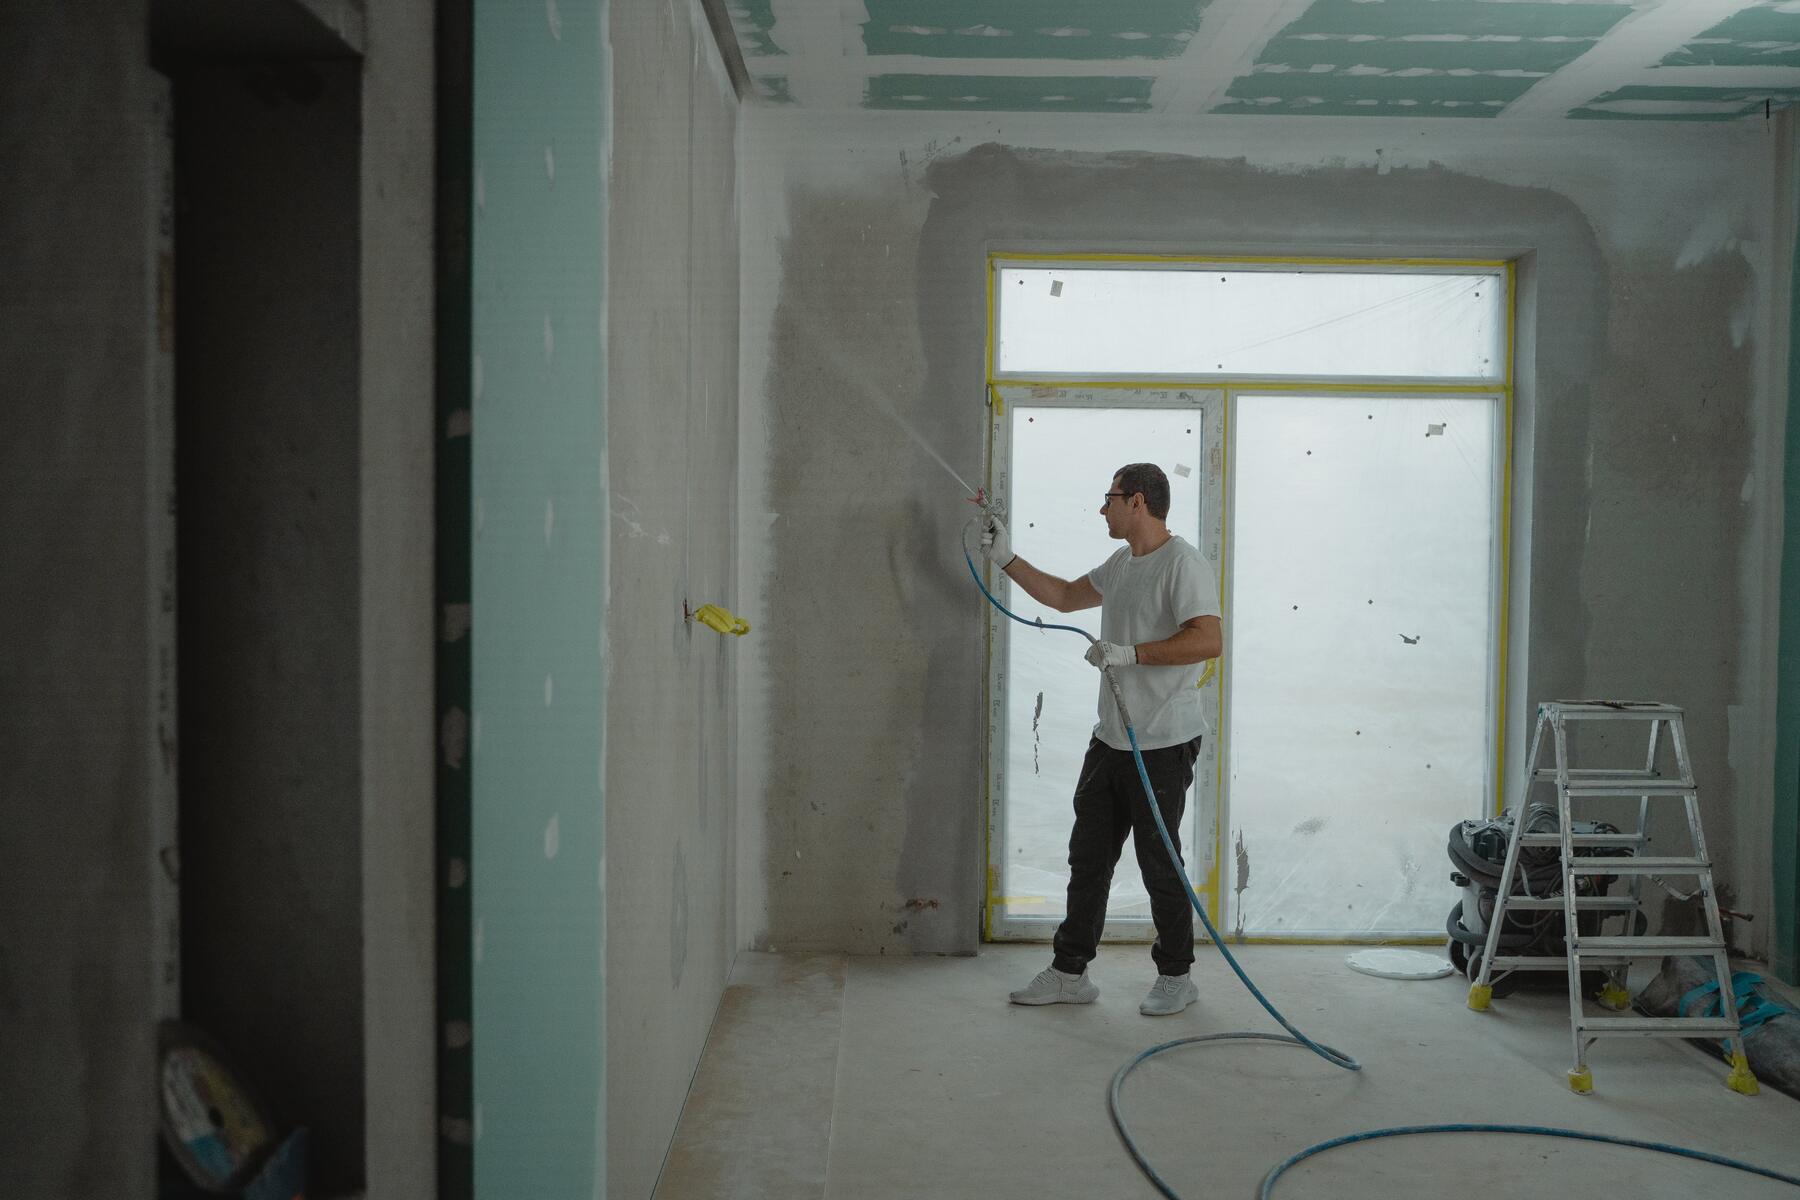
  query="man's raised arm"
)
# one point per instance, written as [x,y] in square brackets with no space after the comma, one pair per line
[1064,595]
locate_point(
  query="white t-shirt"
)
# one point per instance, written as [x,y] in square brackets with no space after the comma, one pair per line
[1146,600]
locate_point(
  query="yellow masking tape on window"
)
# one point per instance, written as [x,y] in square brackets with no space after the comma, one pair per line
[714,617]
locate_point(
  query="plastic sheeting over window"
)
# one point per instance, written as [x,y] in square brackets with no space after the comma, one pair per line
[1360,644]
[1062,462]
[1238,323]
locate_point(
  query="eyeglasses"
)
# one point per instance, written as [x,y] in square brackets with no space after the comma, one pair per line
[1106,498]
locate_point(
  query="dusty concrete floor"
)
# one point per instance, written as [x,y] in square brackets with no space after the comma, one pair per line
[828,1076]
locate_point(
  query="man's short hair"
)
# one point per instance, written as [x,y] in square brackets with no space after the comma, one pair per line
[1149,479]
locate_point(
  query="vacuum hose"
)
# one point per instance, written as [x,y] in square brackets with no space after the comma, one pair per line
[1336,1058]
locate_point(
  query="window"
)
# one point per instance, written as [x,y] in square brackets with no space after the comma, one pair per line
[1334,436]
[1244,324]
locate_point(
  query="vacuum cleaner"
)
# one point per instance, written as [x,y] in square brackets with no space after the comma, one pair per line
[1477,852]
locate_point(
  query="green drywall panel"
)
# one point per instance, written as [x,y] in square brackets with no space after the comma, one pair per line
[1010,93]
[1466,58]
[1031,28]
[1740,101]
[1784,948]
[754,21]
[1418,19]
[774,89]
[1394,54]
[1764,36]
[1338,94]
[538,271]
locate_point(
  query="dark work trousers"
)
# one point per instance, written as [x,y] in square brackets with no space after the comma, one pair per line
[1110,803]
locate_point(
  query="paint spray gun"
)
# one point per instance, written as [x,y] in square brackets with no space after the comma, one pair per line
[992,509]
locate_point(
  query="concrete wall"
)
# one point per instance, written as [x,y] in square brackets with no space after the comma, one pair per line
[398,727]
[76,995]
[672,457]
[1644,501]
[76,1058]
[1784,841]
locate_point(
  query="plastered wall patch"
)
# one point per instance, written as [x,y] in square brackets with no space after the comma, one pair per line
[453,738]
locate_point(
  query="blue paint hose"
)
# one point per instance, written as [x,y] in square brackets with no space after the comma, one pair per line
[1335,1057]
[1294,1037]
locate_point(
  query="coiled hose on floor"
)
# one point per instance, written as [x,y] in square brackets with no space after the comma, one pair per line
[1294,1037]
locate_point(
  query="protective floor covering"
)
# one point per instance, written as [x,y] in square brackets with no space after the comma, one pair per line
[838,1077]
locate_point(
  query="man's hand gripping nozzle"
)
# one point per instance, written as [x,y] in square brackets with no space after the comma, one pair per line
[996,543]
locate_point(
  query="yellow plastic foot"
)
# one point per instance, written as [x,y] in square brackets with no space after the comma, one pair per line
[1741,1080]
[1480,996]
[1615,997]
[1581,1081]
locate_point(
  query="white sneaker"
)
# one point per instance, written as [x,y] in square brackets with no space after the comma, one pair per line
[1056,987]
[1169,995]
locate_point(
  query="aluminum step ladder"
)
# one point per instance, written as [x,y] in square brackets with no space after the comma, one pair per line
[1587,951]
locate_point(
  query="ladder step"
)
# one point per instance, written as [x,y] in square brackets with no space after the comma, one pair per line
[1648,947]
[1582,839]
[1622,776]
[1530,962]
[1627,787]
[1585,865]
[1655,1026]
[1617,709]
[1603,772]
[1547,903]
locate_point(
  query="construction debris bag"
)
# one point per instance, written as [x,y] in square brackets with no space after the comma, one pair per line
[1686,987]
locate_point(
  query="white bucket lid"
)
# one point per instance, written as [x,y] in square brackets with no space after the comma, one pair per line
[1385,962]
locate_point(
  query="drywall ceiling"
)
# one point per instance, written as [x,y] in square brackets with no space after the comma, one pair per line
[1691,60]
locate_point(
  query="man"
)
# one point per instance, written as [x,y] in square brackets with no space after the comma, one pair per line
[1159,620]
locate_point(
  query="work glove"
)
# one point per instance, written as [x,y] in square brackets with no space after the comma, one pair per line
[1110,654]
[995,543]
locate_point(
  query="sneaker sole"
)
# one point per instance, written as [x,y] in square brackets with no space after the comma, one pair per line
[1037,1002]
[1168,1012]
